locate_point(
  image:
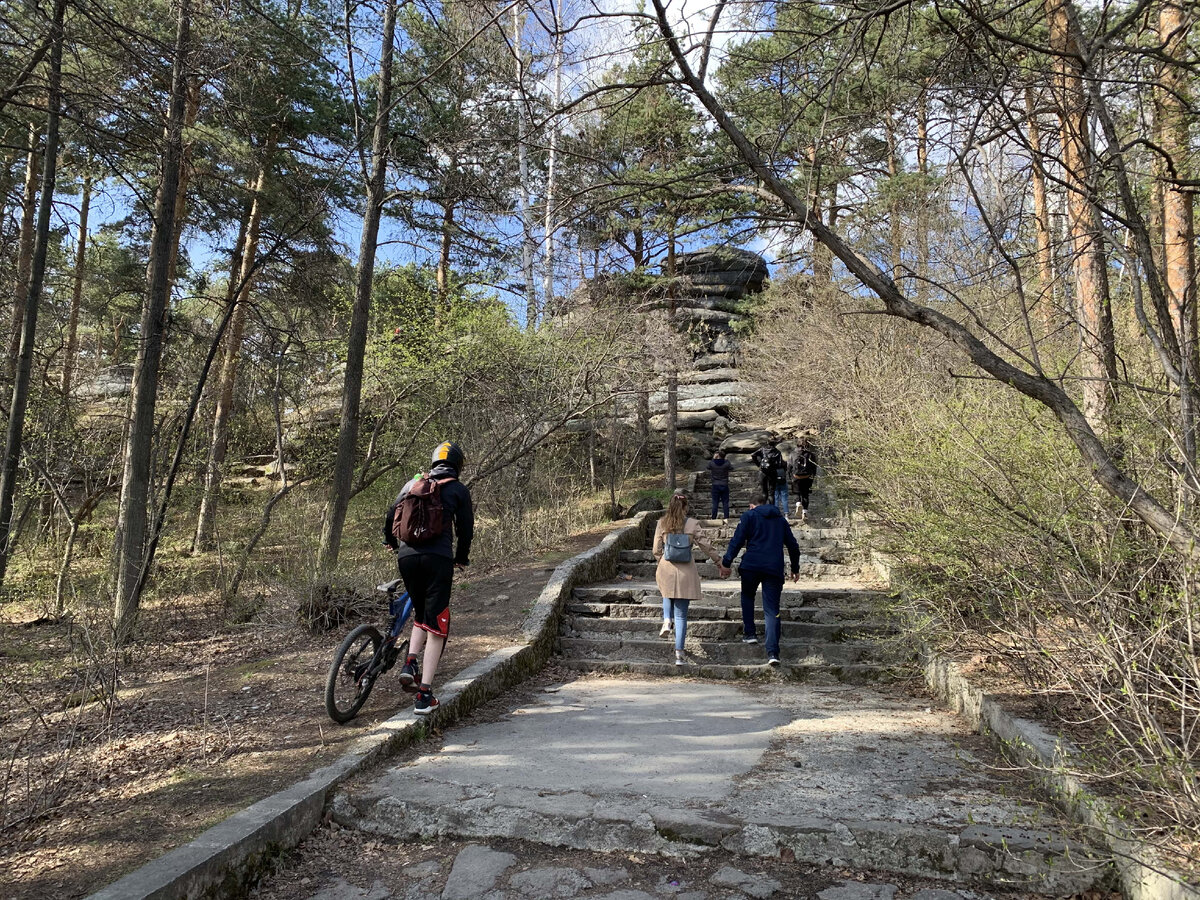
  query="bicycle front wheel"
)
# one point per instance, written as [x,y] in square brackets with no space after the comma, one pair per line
[350,675]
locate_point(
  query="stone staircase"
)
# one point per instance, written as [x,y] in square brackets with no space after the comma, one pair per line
[832,622]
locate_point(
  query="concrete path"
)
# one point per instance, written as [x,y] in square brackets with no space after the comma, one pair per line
[836,775]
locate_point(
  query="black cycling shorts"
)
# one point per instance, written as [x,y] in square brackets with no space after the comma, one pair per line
[428,579]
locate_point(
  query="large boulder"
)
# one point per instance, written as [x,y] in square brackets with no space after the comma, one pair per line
[692,391]
[714,361]
[646,504]
[721,259]
[747,441]
[685,421]
[708,376]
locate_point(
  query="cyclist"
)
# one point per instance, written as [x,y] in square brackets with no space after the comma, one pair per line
[427,565]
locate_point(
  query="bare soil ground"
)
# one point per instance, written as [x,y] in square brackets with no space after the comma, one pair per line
[108,763]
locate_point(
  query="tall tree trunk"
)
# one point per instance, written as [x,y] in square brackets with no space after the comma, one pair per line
[445,244]
[214,470]
[1041,217]
[1173,97]
[524,209]
[343,470]
[24,249]
[191,109]
[672,433]
[1089,266]
[894,223]
[33,296]
[822,259]
[135,480]
[72,350]
[922,223]
[549,226]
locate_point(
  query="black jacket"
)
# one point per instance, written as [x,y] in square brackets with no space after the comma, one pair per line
[458,518]
[765,533]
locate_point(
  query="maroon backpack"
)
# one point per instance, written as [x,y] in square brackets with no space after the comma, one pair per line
[418,516]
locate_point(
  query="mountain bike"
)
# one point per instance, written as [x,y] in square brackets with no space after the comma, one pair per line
[364,655]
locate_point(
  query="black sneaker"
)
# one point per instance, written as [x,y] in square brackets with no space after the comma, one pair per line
[773,661]
[749,639]
[425,703]
[410,677]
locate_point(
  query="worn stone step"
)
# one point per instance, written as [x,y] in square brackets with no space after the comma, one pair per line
[847,673]
[723,629]
[821,772]
[848,616]
[839,553]
[808,569]
[725,592]
[729,653]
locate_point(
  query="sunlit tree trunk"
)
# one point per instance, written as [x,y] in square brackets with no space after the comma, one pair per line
[922,235]
[214,471]
[524,210]
[72,351]
[343,467]
[24,248]
[445,245]
[1089,268]
[549,226]
[1041,217]
[1173,96]
[132,516]
[894,222]
[670,443]
[33,296]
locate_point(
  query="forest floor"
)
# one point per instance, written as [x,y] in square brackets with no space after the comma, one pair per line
[206,718]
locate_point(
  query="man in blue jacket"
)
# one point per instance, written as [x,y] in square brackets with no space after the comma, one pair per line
[764,532]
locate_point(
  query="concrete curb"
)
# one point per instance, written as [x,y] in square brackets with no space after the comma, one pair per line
[225,858]
[1141,874]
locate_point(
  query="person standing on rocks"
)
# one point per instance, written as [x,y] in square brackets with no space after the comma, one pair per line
[802,469]
[421,525]
[764,532]
[677,576]
[773,467]
[718,470]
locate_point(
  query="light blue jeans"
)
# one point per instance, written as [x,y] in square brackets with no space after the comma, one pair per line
[677,609]
[781,498]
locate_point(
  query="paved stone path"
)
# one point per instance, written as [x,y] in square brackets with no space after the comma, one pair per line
[831,774]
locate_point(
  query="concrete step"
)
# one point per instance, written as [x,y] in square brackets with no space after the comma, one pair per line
[800,652]
[847,673]
[839,552]
[728,592]
[722,629]
[808,569]
[816,772]
[651,610]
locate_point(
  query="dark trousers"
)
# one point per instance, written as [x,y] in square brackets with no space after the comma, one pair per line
[720,494]
[802,486]
[772,591]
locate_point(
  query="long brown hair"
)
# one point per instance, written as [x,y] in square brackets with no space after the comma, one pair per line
[676,514]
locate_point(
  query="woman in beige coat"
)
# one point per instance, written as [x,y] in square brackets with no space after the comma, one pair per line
[679,582]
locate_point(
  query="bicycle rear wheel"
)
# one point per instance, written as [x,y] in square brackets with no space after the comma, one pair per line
[350,675]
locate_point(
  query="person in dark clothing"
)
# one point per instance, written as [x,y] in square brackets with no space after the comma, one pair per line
[764,532]
[773,467]
[802,469]
[718,469]
[428,572]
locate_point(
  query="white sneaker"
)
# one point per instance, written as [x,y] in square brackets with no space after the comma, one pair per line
[666,628]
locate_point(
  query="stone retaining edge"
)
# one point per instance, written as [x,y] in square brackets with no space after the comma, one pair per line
[221,861]
[1141,875]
